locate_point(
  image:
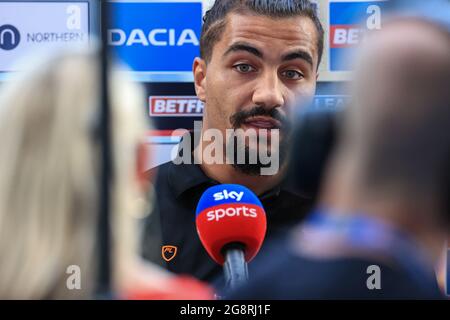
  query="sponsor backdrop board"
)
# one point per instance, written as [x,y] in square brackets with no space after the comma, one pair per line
[30,28]
[158,44]
[345,23]
[157,40]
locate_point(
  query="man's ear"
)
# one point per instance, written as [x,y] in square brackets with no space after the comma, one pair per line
[199,71]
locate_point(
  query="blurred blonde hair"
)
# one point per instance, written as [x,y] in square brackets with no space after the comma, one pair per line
[49,172]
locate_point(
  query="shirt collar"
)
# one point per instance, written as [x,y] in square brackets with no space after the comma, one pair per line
[186,176]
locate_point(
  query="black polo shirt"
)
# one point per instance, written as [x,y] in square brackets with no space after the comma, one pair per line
[178,189]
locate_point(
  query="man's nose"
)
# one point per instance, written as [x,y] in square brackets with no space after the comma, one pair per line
[268,92]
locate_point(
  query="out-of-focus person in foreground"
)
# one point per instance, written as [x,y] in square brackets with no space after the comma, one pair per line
[381,223]
[49,176]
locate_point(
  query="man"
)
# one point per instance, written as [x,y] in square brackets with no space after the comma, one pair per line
[256,58]
[382,222]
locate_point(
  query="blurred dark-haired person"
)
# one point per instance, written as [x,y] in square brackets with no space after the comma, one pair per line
[256,58]
[382,221]
[49,187]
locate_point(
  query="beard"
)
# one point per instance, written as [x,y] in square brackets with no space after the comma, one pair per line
[261,144]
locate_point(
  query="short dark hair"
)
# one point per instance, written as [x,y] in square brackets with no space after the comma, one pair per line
[214,19]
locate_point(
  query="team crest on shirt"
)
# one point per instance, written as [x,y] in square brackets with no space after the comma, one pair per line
[168,252]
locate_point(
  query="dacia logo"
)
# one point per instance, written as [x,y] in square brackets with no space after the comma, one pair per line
[155,37]
[9,37]
[224,195]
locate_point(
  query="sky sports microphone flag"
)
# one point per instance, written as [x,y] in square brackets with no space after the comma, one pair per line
[230,213]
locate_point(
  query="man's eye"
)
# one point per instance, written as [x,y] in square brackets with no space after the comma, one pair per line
[244,68]
[292,74]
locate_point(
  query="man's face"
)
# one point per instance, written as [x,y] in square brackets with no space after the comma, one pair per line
[258,67]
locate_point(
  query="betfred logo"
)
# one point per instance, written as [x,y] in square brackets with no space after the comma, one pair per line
[225,195]
[231,211]
[349,22]
[171,106]
[345,36]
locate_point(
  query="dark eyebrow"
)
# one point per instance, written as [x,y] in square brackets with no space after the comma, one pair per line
[298,54]
[242,46]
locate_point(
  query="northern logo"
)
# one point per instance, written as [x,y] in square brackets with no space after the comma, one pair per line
[9,37]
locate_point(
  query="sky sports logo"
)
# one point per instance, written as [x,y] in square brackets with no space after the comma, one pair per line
[232,211]
[225,195]
[170,106]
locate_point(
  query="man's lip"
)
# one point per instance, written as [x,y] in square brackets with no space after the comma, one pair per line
[263,122]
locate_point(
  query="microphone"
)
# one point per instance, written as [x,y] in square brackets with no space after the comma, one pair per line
[231,224]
